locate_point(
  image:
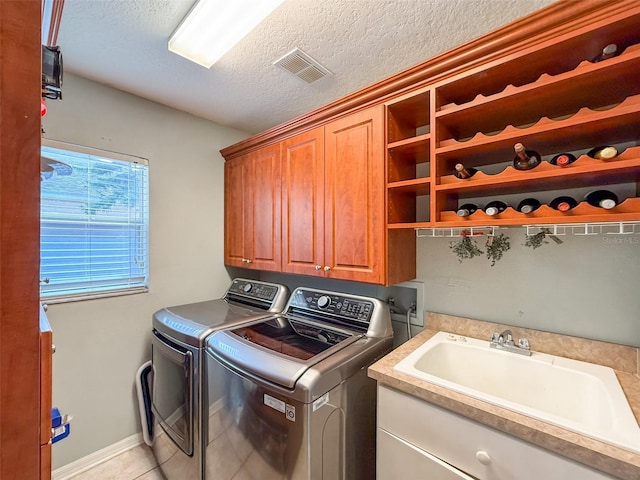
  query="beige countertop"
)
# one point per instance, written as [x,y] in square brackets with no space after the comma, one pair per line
[610,459]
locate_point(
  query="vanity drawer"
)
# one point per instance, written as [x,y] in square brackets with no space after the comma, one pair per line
[400,459]
[480,451]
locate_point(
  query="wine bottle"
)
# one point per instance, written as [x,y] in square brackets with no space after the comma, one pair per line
[528,205]
[467,209]
[602,198]
[525,159]
[563,159]
[609,51]
[563,203]
[603,152]
[462,172]
[495,208]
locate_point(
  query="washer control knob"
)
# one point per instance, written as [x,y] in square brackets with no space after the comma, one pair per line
[247,288]
[324,301]
[483,457]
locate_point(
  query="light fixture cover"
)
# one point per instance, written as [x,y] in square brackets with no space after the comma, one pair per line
[212,27]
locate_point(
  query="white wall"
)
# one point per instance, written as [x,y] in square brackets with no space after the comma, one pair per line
[587,287]
[101,343]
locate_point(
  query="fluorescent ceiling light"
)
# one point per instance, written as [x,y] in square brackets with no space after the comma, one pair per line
[212,27]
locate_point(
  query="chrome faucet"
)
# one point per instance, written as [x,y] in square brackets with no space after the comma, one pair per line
[504,341]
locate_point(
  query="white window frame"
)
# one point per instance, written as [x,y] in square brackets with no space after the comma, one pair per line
[100,289]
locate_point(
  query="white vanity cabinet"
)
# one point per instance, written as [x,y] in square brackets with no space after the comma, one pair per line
[419,440]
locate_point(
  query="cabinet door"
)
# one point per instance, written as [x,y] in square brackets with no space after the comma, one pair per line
[354,197]
[303,203]
[264,203]
[237,198]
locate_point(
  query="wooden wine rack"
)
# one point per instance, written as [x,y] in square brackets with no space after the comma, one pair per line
[552,98]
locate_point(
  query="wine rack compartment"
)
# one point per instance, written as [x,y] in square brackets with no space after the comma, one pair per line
[552,96]
[584,169]
[527,65]
[583,213]
[548,95]
[613,125]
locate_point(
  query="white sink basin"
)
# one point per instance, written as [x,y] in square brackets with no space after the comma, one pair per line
[579,396]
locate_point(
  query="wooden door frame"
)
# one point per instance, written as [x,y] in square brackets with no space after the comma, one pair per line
[20,84]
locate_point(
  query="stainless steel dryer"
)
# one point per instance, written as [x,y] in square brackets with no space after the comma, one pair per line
[291,398]
[177,355]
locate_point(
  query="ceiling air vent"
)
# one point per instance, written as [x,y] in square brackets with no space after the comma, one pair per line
[302,66]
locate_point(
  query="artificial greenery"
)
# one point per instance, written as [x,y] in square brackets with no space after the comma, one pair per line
[540,238]
[496,246]
[465,248]
[537,240]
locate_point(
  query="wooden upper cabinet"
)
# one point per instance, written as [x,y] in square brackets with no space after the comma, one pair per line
[354,197]
[333,200]
[252,210]
[236,208]
[303,203]
[265,228]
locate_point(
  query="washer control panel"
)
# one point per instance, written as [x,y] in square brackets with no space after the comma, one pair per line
[337,305]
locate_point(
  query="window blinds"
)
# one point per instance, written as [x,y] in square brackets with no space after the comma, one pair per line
[93,223]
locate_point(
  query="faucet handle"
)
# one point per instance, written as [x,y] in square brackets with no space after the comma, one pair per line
[494,337]
[523,343]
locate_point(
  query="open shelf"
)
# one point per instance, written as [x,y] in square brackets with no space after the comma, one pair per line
[419,186]
[408,116]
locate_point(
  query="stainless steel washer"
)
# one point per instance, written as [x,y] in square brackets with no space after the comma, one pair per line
[289,397]
[177,355]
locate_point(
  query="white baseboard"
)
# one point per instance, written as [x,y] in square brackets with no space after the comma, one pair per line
[85,463]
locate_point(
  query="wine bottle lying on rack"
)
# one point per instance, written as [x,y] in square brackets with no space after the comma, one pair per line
[463,173]
[525,159]
[609,51]
[563,203]
[528,205]
[603,152]
[467,209]
[602,198]
[563,159]
[495,208]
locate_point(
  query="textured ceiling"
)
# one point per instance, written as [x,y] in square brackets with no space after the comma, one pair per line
[123,43]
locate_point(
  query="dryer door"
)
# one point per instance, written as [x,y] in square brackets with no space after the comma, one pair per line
[173,390]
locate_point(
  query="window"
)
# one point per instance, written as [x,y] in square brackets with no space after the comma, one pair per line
[94,213]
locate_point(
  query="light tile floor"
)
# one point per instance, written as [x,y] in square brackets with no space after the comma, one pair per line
[137,463]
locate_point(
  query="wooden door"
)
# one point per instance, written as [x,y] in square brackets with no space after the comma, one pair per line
[20,84]
[264,229]
[354,197]
[237,198]
[303,203]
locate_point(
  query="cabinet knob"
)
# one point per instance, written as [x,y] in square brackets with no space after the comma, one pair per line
[483,457]
[246,260]
[327,268]
[318,267]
